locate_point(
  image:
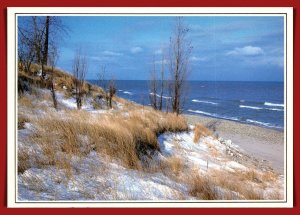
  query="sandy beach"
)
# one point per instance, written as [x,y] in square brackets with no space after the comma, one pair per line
[264,144]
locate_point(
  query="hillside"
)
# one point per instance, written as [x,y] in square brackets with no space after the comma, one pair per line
[128,152]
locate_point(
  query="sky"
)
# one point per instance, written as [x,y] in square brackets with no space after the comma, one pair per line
[225,48]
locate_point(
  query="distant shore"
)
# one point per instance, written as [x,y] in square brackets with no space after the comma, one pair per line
[262,143]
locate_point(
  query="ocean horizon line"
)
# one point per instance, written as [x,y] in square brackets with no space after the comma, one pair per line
[187,80]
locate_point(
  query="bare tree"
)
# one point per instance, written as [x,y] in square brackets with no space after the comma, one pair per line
[153,87]
[37,36]
[162,81]
[109,87]
[46,43]
[79,73]
[29,37]
[53,56]
[157,85]
[103,83]
[101,78]
[53,29]
[38,32]
[180,50]
[26,52]
[111,91]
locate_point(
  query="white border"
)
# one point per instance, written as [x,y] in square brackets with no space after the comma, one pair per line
[72,11]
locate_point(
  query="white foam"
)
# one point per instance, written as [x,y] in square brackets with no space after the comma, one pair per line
[206,102]
[164,97]
[257,122]
[275,109]
[250,107]
[259,108]
[127,92]
[213,115]
[201,112]
[263,123]
[273,104]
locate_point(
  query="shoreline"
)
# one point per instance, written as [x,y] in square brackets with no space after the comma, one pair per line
[265,144]
[237,121]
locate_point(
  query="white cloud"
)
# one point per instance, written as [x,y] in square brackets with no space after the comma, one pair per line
[194,58]
[110,53]
[136,49]
[246,51]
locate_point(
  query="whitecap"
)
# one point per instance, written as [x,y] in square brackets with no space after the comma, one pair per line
[127,92]
[250,107]
[206,102]
[273,104]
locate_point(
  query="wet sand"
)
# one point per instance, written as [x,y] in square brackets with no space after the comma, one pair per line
[262,143]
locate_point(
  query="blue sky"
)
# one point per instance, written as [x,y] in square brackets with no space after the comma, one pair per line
[224,48]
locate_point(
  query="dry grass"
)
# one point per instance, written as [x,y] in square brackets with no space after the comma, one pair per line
[124,138]
[269,176]
[23,160]
[239,182]
[67,81]
[202,187]
[22,119]
[61,80]
[213,151]
[159,122]
[25,101]
[175,164]
[200,131]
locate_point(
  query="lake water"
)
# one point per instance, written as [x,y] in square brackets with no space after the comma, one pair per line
[258,103]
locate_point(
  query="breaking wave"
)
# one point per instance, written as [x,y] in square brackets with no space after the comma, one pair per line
[206,102]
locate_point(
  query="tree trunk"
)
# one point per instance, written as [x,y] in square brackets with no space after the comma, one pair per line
[45,51]
[53,95]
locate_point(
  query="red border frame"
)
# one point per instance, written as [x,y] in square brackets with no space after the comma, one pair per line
[139,3]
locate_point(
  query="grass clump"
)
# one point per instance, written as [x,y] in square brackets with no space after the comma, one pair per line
[23,160]
[124,138]
[22,119]
[200,131]
[202,187]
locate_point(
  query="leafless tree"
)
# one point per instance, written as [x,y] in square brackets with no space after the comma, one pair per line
[38,35]
[46,44]
[162,81]
[109,87]
[29,42]
[79,73]
[157,85]
[180,50]
[153,87]
[103,83]
[26,52]
[111,91]
[101,78]
[53,29]
[53,56]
